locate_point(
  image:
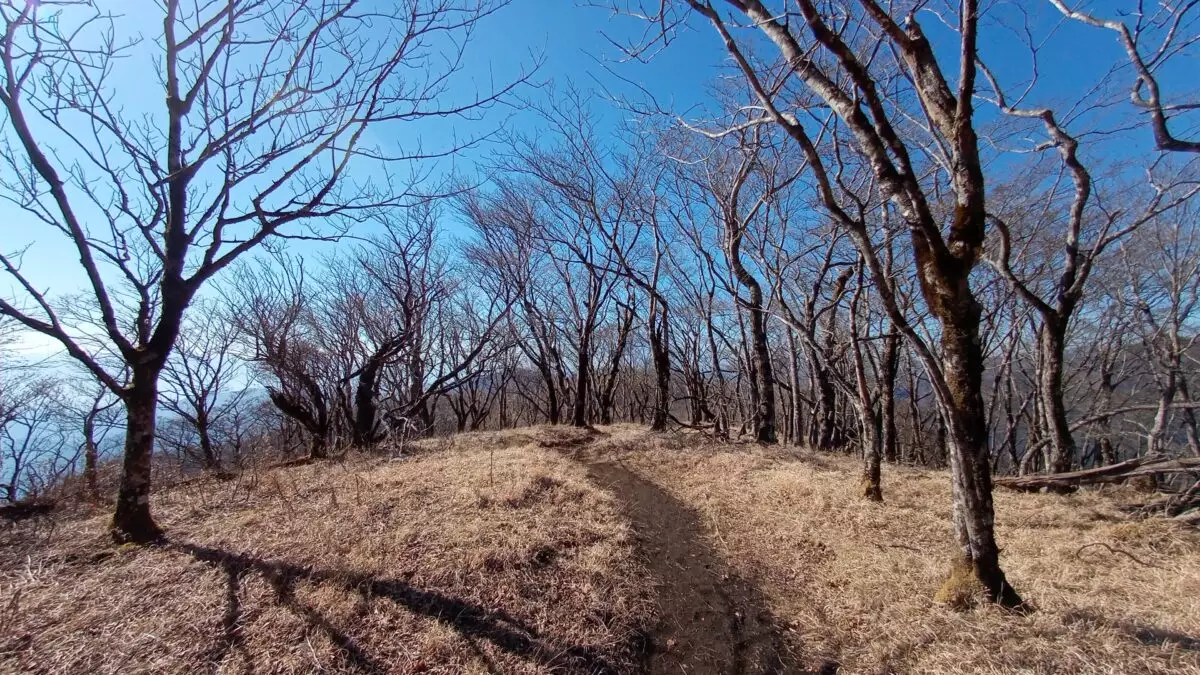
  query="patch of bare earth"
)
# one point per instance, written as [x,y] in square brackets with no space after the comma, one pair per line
[852,582]
[465,558]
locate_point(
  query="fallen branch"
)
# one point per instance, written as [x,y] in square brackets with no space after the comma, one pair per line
[1176,504]
[1150,465]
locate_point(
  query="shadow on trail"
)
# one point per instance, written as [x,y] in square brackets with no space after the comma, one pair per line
[711,621]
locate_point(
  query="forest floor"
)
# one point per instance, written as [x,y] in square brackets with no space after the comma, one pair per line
[547,550]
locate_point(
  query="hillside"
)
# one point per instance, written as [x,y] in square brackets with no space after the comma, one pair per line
[552,550]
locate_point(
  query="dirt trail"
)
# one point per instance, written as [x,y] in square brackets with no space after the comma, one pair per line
[712,621]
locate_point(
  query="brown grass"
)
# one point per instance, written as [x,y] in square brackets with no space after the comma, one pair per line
[854,581]
[421,565]
[494,552]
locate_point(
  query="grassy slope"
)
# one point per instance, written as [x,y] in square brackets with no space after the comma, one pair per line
[449,562]
[413,566]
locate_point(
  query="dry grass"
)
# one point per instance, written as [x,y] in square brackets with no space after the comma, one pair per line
[424,565]
[494,552]
[854,582]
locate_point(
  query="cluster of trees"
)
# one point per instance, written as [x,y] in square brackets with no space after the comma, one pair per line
[870,246]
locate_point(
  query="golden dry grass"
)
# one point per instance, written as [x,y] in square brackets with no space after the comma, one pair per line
[854,581]
[495,552]
[422,565]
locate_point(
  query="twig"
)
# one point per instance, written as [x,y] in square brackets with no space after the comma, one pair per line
[1116,550]
[906,548]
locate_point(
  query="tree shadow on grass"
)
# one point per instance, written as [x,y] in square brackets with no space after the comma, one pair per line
[1148,635]
[232,638]
[504,631]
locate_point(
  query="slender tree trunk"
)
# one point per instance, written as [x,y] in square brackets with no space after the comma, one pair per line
[132,522]
[914,412]
[662,371]
[827,433]
[1061,452]
[872,479]
[208,452]
[552,403]
[887,392]
[579,413]
[797,422]
[760,348]
[869,418]
[1154,440]
[503,403]
[1108,451]
[91,457]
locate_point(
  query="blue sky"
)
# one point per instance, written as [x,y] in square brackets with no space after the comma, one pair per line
[569,40]
[564,39]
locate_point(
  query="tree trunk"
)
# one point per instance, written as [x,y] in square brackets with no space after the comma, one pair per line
[132,522]
[826,406]
[662,371]
[887,391]
[872,483]
[579,413]
[1154,439]
[1108,451]
[208,453]
[1189,418]
[917,445]
[797,421]
[870,426]
[91,457]
[766,377]
[318,446]
[1061,452]
[365,408]
[764,374]
[966,434]
[552,404]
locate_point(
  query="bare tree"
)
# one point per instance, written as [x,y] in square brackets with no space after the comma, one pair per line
[99,419]
[1163,300]
[285,336]
[265,109]
[863,99]
[35,447]
[200,378]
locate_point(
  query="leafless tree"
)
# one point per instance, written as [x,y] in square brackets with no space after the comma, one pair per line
[35,448]
[836,90]
[200,379]
[100,413]
[266,107]
[1162,301]
[287,340]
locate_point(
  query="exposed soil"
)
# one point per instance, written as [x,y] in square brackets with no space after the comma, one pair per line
[711,621]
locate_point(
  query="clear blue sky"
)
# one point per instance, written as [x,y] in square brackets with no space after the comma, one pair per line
[566,37]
